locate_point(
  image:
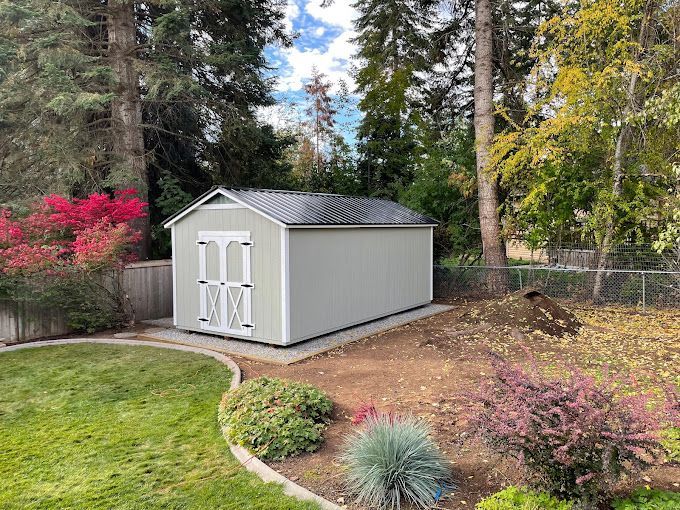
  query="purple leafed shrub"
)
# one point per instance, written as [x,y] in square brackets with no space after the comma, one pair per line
[575,436]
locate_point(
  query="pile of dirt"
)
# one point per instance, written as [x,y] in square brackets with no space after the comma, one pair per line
[523,312]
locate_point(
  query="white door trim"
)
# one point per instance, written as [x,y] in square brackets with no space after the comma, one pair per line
[229,293]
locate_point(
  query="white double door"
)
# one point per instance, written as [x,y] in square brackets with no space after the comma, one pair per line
[225,282]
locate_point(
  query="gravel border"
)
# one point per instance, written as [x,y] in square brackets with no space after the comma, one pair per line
[289,354]
[247,460]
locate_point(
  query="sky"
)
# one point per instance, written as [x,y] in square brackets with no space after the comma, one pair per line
[323,40]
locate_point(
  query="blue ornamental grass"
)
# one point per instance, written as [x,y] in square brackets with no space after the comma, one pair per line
[393,460]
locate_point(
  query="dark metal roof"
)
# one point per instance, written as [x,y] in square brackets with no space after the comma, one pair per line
[300,208]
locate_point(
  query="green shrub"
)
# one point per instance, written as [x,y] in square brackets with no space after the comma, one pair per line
[649,499]
[392,459]
[89,300]
[671,443]
[516,498]
[275,418]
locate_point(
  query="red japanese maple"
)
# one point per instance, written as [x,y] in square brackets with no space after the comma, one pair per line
[90,233]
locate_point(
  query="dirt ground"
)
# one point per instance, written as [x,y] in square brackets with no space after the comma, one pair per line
[427,367]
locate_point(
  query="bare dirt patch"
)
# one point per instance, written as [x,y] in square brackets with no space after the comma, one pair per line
[427,367]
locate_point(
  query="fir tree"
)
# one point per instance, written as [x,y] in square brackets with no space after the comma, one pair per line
[94,96]
[393,44]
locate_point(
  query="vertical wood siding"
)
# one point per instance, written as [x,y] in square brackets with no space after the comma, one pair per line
[265,263]
[147,284]
[345,276]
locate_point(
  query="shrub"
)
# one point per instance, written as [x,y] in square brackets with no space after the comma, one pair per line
[392,459]
[275,418]
[575,436]
[363,412]
[671,443]
[649,499]
[63,254]
[516,498]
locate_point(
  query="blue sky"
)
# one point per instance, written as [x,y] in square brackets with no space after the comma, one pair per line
[324,41]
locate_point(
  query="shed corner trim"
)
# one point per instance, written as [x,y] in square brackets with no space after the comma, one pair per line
[285,286]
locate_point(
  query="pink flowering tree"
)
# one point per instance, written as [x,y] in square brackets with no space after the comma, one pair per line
[574,436]
[63,251]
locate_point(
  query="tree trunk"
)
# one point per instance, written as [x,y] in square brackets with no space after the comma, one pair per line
[622,142]
[126,109]
[489,221]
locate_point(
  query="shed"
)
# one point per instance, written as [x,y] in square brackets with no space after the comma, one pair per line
[284,266]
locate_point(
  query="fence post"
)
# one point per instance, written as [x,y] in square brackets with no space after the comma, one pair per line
[644,294]
[520,279]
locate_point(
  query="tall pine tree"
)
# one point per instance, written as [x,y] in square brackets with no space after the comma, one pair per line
[393,45]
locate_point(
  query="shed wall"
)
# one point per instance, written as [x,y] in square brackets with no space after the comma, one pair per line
[345,276]
[265,264]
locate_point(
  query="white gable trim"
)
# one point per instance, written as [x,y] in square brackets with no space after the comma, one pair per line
[219,191]
[193,207]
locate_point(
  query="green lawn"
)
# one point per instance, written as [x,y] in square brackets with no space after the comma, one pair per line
[97,426]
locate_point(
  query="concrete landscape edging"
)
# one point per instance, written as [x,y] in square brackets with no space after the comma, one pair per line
[247,460]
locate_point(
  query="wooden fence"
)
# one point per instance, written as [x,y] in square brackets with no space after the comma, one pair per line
[148,286]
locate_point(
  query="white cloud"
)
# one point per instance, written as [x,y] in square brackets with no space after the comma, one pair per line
[334,62]
[339,14]
[319,44]
[292,12]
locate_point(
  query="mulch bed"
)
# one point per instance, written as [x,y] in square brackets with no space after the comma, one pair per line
[428,367]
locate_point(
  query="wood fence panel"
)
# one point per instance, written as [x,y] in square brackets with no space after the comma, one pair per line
[148,286]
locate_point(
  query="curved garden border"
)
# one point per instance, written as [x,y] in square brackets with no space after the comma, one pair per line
[247,460]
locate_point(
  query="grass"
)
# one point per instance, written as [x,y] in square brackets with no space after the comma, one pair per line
[93,427]
[454,261]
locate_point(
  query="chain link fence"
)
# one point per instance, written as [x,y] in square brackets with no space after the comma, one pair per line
[629,287]
[624,256]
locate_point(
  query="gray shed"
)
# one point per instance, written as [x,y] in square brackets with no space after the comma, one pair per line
[285,266]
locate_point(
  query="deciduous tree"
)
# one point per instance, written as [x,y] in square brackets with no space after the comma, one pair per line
[586,157]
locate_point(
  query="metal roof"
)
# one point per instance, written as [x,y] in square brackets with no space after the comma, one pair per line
[301,208]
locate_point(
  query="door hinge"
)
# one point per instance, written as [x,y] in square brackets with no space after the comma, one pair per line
[201,242]
[248,326]
[202,281]
[203,319]
[246,243]
[247,285]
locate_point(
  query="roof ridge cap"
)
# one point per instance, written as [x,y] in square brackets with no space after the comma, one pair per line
[296,192]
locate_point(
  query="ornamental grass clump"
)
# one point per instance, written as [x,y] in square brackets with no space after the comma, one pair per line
[391,460]
[575,436]
[274,418]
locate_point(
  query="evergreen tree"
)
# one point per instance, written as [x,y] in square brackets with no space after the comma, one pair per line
[393,45]
[321,113]
[487,184]
[103,95]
